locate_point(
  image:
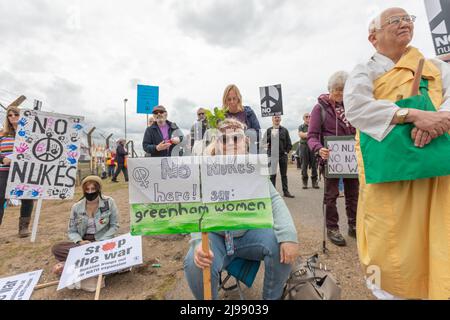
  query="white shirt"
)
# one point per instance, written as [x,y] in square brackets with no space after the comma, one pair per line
[371,116]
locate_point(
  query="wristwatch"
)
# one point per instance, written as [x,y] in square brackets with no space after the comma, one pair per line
[401,115]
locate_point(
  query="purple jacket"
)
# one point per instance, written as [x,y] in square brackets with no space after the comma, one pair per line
[332,124]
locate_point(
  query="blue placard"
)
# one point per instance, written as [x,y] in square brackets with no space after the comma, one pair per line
[147,98]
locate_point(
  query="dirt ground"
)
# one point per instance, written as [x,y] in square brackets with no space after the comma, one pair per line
[167,282]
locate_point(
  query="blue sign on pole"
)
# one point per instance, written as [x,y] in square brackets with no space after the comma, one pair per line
[147,98]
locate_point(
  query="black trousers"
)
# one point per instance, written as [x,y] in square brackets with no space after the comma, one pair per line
[283,163]
[308,160]
[26,209]
[121,167]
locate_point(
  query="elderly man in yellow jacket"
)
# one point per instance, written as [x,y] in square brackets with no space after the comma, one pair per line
[403,227]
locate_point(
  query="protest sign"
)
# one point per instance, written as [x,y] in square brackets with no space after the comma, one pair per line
[271,101]
[342,162]
[19,287]
[164,180]
[231,178]
[101,257]
[46,152]
[438,12]
[147,98]
[229,202]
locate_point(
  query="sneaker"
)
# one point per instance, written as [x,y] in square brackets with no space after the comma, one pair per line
[288,195]
[352,231]
[336,237]
[114,181]
[315,185]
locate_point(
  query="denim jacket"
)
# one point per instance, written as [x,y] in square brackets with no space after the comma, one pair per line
[106,220]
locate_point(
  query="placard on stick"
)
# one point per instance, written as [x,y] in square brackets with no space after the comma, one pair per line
[19,287]
[271,101]
[342,162]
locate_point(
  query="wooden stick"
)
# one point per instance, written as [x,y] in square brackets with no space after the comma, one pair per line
[45,285]
[99,287]
[417,77]
[207,271]
[37,214]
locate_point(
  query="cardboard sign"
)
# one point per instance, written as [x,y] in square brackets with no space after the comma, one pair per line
[232,178]
[45,159]
[342,162]
[438,12]
[154,219]
[228,202]
[271,101]
[19,287]
[164,180]
[101,257]
[147,98]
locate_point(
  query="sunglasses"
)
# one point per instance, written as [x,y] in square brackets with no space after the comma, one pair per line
[232,138]
[13,115]
[158,112]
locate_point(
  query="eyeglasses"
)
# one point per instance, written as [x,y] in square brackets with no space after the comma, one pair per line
[158,112]
[395,20]
[200,114]
[13,115]
[307,117]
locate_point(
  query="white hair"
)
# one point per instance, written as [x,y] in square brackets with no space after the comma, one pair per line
[375,24]
[337,79]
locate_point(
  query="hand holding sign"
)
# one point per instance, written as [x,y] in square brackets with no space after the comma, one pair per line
[324,153]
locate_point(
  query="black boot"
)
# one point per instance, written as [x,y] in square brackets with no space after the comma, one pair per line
[315,184]
[305,183]
[24,223]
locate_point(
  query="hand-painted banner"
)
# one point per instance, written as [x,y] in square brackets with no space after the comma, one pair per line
[101,257]
[231,178]
[19,287]
[46,152]
[164,180]
[154,219]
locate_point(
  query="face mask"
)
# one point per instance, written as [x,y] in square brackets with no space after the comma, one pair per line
[91,196]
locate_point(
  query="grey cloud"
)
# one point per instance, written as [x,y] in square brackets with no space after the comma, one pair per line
[225,23]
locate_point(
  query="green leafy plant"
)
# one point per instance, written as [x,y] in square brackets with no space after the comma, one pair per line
[215,118]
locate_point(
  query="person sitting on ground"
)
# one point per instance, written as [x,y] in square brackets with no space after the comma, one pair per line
[93,218]
[277,247]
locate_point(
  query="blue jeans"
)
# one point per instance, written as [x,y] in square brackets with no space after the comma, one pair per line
[258,245]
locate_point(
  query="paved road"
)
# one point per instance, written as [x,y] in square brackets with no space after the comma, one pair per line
[306,210]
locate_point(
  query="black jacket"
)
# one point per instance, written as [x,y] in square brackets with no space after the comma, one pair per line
[120,154]
[153,137]
[285,144]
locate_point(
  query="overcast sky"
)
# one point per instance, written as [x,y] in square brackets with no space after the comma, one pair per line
[84,57]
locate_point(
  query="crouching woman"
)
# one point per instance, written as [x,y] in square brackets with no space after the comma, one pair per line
[277,246]
[93,218]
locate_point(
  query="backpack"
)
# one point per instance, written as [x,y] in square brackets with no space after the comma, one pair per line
[311,280]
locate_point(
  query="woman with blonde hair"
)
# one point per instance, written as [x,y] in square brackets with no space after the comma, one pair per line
[277,246]
[7,138]
[232,102]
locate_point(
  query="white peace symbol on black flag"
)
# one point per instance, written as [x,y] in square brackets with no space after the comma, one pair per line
[271,101]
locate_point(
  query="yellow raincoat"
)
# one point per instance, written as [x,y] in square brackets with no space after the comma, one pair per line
[403,228]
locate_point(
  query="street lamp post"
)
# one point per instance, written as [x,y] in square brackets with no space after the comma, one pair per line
[125,116]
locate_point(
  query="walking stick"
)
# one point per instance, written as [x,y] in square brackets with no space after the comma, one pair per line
[207,271]
[324,212]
